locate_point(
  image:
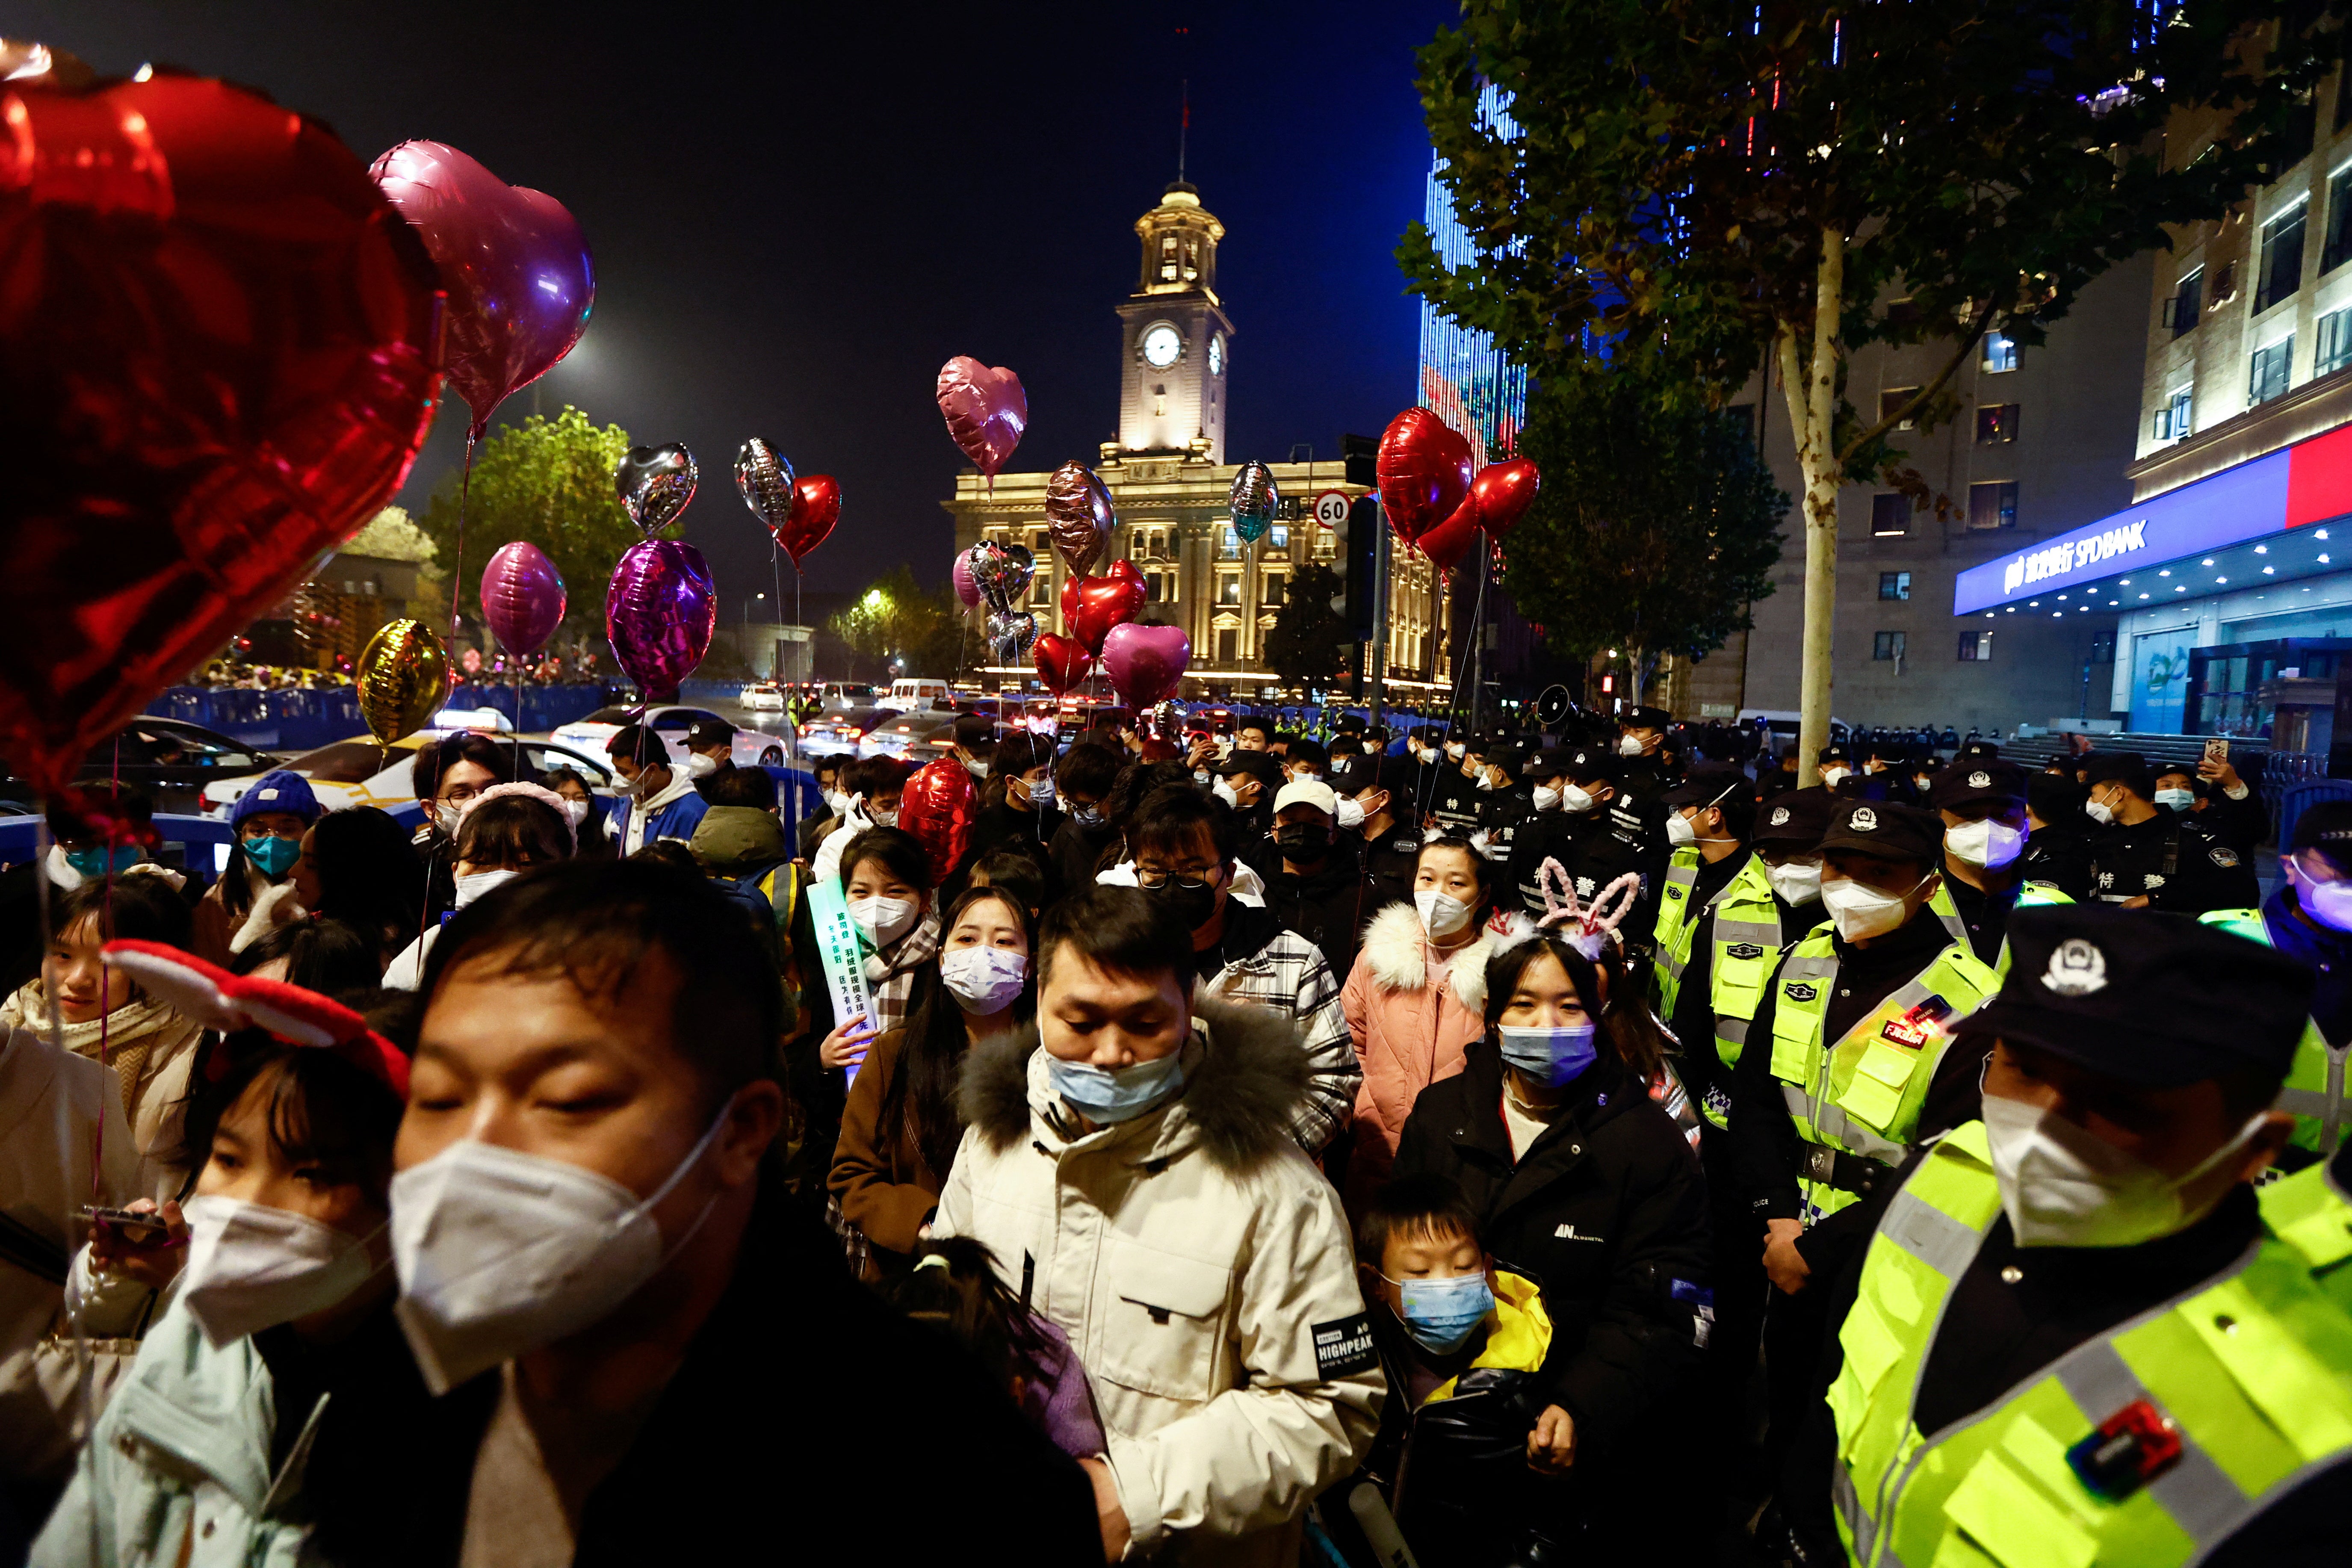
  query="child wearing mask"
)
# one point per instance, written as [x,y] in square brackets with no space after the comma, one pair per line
[873,787]
[501,833]
[900,1127]
[955,1287]
[1462,1343]
[886,882]
[202,1452]
[268,820]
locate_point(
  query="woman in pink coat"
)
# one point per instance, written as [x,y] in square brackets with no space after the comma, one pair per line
[1416,998]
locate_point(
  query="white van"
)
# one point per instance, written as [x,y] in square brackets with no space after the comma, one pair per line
[911,696]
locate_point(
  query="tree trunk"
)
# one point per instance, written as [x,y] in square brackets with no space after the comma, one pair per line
[1811,392]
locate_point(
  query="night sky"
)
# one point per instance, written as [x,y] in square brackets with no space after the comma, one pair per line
[798,212]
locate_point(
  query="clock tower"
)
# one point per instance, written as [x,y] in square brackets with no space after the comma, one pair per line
[1175,344]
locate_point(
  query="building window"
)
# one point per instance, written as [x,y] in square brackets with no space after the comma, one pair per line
[1894,397]
[1976,647]
[1229,589]
[2267,378]
[1270,593]
[1229,646]
[2281,261]
[2337,249]
[1895,584]
[1890,514]
[1326,544]
[1996,424]
[1041,589]
[1886,645]
[1160,587]
[1229,544]
[2172,421]
[1993,505]
[2180,310]
[1168,258]
[2335,346]
[1279,536]
[1040,545]
[2000,353]
[2102,646]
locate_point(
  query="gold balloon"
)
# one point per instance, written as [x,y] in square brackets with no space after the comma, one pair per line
[403,679]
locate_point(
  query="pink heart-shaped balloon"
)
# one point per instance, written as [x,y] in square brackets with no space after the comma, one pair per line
[1501,493]
[985,409]
[1145,663]
[519,279]
[967,592]
[1424,471]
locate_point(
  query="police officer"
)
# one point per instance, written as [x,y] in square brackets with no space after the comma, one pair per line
[2058,835]
[2309,918]
[1451,795]
[1389,844]
[1566,808]
[1646,768]
[2149,857]
[1858,1070]
[2085,1339]
[1507,801]
[2211,792]
[1836,765]
[1982,804]
[1595,843]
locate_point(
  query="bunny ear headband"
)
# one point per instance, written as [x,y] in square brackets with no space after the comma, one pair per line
[219,999]
[1586,928]
[572,811]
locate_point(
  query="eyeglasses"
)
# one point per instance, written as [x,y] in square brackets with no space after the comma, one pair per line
[458,795]
[1188,877]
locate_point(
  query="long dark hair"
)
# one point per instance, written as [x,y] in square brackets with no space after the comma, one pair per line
[367,874]
[322,1110]
[921,1094]
[1625,1022]
[962,1297]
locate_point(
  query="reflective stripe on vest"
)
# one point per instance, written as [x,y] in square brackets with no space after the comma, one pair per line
[1941,906]
[1671,935]
[2313,1091]
[1863,1095]
[2258,1404]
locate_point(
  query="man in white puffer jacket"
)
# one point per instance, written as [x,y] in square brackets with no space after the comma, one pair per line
[1137,1183]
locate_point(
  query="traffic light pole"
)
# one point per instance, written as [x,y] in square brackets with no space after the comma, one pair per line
[1376,655]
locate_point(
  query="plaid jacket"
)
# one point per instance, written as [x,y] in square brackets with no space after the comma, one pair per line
[1290,975]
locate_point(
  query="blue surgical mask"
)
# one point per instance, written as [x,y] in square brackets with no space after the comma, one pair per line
[1086,816]
[1442,1314]
[1041,794]
[275,856]
[1550,1057]
[94,860]
[2180,800]
[1107,1095]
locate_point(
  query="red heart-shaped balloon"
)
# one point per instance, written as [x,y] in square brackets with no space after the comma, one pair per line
[1501,493]
[1447,542]
[1423,471]
[1062,662]
[219,351]
[816,507]
[937,806]
[1101,603]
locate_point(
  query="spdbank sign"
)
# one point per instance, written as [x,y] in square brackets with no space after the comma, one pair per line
[2305,483]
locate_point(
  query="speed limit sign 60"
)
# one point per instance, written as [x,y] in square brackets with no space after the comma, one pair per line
[1331,507]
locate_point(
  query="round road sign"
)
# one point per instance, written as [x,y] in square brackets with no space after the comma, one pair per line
[1331,507]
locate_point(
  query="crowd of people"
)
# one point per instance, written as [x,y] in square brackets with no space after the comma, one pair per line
[1512,1149]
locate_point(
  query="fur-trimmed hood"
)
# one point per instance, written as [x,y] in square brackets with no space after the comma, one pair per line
[1245,1081]
[1397,953]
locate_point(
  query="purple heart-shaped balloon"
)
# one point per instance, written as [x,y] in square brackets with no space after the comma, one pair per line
[1145,663]
[660,609]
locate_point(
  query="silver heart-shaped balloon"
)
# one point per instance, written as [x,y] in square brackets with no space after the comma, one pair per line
[765,479]
[1011,633]
[655,484]
[1003,572]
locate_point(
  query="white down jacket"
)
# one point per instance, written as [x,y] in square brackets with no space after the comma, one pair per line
[1200,1265]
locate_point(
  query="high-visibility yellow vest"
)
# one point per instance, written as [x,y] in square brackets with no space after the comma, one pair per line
[2252,1370]
[2312,1212]
[2313,1091]
[1748,938]
[1862,1096]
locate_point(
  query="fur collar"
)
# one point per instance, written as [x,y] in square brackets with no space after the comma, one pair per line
[1398,955]
[1240,1100]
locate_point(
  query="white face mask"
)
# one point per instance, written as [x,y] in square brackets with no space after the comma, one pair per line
[445,813]
[2098,811]
[1201,778]
[837,802]
[978,770]
[2329,903]
[1860,912]
[1441,915]
[251,1267]
[882,816]
[985,980]
[1990,844]
[698,767]
[502,1252]
[1548,799]
[1486,781]
[884,921]
[1455,750]
[2061,1186]
[474,884]
[1224,790]
[1796,881]
[1574,801]
[1350,812]
[1681,830]
[2180,800]
[1831,774]
[1628,745]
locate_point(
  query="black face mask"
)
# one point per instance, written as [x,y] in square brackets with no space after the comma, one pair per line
[1303,841]
[1190,906]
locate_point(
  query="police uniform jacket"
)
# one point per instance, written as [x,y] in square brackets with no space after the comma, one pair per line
[2325,952]
[1454,799]
[2060,855]
[1501,814]
[2177,863]
[1545,836]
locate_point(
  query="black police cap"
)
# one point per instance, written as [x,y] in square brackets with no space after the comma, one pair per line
[1886,829]
[1646,717]
[1705,785]
[2153,999]
[1977,781]
[1792,822]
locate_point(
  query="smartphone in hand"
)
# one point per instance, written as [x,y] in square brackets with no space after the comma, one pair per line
[141,1227]
[2217,751]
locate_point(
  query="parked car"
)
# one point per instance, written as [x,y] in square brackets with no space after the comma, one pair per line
[845,695]
[914,739]
[837,734]
[358,772]
[172,761]
[761,697]
[915,693]
[753,748]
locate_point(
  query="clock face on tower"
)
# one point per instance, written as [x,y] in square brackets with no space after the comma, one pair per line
[1160,346]
[1217,355]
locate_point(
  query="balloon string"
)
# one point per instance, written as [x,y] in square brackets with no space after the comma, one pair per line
[457,567]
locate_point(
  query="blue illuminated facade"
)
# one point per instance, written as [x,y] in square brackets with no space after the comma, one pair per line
[1465,378]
